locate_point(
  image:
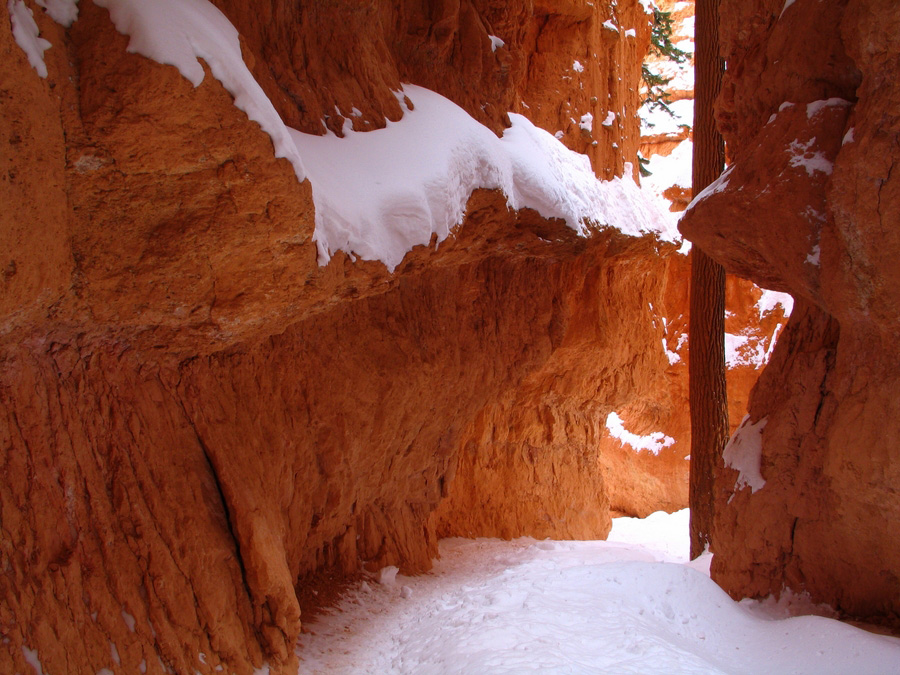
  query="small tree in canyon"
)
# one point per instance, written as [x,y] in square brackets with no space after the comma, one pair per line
[661,45]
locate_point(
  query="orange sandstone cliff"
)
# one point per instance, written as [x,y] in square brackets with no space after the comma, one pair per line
[195,416]
[809,111]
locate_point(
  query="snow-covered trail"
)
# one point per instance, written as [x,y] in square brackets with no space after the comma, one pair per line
[628,605]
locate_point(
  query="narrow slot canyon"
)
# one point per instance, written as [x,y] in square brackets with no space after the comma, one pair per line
[354,337]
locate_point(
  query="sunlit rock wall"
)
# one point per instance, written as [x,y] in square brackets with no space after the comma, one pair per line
[194,415]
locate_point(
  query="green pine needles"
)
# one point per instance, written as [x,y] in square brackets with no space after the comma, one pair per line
[661,45]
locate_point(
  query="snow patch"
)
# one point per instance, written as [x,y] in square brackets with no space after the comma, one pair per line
[380,193]
[702,562]
[387,576]
[786,605]
[744,454]
[849,137]
[802,155]
[814,108]
[769,300]
[661,533]
[31,658]
[673,169]
[129,620]
[813,257]
[720,184]
[27,36]
[496,43]
[610,119]
[673,357]
[577,67]
[587,122]
[608,24]
[63,12]
[653,442]
[741,350]
[787,3]
[631,32]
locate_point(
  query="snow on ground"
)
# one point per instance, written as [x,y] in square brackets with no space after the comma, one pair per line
[632,604]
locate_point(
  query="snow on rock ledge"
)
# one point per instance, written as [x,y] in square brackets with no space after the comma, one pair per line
[653,442]
[379,194]
[382,192]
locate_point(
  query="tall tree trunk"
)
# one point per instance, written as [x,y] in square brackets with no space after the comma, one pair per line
[709,409]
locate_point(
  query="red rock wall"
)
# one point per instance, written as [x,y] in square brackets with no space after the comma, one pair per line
[194,416]
[823,523]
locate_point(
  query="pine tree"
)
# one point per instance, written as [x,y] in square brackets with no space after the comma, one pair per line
[706,329]
[661,45]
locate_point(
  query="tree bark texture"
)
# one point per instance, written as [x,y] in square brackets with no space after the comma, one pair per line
[709,410]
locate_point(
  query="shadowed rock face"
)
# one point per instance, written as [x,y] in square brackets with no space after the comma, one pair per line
[809,207]
[195,416]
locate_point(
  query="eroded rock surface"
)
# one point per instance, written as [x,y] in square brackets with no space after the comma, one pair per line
[195,416]
[809,112]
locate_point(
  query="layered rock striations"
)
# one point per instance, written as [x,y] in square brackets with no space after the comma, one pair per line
[195,415]
[808,111]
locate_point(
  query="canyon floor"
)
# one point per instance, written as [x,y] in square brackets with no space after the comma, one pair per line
[632,604]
